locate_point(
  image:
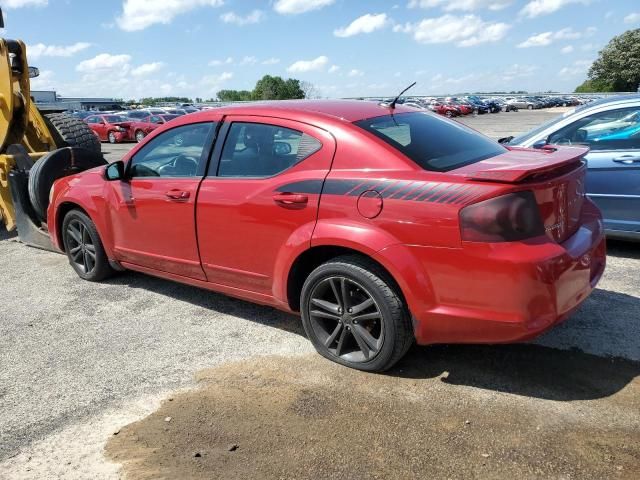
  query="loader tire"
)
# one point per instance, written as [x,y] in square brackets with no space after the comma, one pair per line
[54,165]
[69,131]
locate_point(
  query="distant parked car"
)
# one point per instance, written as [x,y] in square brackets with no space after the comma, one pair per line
[111,128]
[445,109]
[611,129]
[136,114]
[140,129]
[524,103]
[175,111]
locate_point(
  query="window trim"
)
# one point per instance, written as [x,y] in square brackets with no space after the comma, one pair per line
[214,165]
[203,161]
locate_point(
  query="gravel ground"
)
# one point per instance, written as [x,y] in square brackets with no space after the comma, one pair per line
[79,361]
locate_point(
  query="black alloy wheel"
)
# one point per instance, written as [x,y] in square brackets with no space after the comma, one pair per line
[112,137]
[139,136]
[84,248]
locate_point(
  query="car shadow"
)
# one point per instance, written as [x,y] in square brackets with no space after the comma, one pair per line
[521,369]
[622,248]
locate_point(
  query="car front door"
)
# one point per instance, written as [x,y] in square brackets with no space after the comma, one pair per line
[153,209]
[613,176]
[260,195]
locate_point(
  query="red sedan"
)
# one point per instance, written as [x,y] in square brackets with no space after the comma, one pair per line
[143,127]
[445,109]
[109,128]
[381,226]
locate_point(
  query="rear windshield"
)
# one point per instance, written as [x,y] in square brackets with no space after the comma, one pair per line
[433,143]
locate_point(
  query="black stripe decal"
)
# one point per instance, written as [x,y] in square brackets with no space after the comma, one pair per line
[303,186]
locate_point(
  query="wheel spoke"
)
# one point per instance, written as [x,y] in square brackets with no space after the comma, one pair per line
[362,332]
[85,263]
[322,314]
[362,306]
[335,291]
[333,336]
[364,347]
[346,302]
[75,234]
[328,306]
[367,316]
[85,234]
[76,255]
[91,248]
[75,249]
[343,335]
[91,254]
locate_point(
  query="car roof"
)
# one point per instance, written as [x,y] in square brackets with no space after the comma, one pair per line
[345,110]
[614,100]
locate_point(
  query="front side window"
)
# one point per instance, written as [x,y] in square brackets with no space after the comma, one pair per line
[431,142]
[261,150]
[175,153]
[611,130]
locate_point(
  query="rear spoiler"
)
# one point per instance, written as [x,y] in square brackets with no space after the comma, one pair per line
[523,163]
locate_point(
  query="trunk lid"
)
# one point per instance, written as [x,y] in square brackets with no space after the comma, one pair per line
[556,176]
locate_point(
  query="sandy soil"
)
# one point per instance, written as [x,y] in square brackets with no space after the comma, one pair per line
[453,412]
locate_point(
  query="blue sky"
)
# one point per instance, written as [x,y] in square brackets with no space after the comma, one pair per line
[136,48]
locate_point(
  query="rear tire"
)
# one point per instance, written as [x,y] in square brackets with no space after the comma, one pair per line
[83,247]
[375,334]
[69,131]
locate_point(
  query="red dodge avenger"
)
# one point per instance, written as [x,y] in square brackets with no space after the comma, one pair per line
[381,226]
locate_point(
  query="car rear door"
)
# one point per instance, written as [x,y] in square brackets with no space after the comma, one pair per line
[613,176]
[153,209]
[259,197]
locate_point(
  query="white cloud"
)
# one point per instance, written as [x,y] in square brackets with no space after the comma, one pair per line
[41,50]
[302,66]
[44,81]
[212,83]
[535,8]
[518,71]
[567,49]
[632,18]
[578,68]
[147,69]
[295,7]
[365,24]
[465,5]
[248,60]
[256,16]
[24,3]
[355,73]
[547,38]
[465,31]
[334,68]
[104,61]
[271,61]
[217,63]
[140,14]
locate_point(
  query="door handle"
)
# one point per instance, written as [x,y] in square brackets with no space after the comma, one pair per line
[177,195]
[287,198]
[627,159]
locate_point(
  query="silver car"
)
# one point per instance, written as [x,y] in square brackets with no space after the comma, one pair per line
[611,128]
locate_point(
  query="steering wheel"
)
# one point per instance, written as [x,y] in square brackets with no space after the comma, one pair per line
[181,166]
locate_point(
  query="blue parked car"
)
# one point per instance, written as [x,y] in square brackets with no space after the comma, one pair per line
[611,128]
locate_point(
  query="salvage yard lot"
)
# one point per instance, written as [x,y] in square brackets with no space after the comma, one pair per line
[80,361]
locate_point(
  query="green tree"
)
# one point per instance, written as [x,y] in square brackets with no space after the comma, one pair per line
[593,86]
[234,95]
[276,88]
[618,64]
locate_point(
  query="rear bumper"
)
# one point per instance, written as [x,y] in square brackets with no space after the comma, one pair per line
[500,293]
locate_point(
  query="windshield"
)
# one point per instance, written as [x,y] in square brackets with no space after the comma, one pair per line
[433,143]
[114,118]
[166,118]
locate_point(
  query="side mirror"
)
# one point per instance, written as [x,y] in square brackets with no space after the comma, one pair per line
[115,171]
[34,72]
[540,144]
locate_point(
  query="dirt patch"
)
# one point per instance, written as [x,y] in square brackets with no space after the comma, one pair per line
[458,412]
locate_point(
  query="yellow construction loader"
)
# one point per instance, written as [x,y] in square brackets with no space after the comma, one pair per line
[29,138]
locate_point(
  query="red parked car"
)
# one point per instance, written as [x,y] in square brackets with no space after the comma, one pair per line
[380,226]
[139,129]
[110,128]
[445,109]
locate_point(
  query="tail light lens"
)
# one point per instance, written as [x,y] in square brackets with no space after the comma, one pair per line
[508,218]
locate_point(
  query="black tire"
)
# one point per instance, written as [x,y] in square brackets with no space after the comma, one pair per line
[140,136]
[69,131]
[530,107]
[387,324]
[85,253]
[112,137]
[54,165]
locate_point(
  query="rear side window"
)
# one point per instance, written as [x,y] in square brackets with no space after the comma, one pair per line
[262,150]
[433,143]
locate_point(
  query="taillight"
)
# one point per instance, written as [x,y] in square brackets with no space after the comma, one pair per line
[508,218]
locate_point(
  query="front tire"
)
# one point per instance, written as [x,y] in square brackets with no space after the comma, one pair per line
[84,248]
[139,136]
[354,316]
[112,137]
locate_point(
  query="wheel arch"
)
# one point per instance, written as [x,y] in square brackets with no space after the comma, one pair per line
[310,259]
[61,212]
